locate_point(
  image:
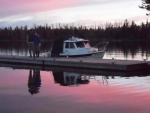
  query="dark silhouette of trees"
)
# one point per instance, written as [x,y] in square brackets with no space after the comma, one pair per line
[125,32]
[145,5]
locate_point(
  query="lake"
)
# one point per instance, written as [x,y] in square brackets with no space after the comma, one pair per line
[24,90]
[31,89]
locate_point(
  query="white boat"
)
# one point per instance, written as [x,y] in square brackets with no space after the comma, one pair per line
[78,47]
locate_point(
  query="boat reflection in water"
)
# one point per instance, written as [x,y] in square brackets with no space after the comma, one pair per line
[34,81]
[76,79]
[70,79]
[64,79]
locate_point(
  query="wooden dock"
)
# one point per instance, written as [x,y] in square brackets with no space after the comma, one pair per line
[78,63]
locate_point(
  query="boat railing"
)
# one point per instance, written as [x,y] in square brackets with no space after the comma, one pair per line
[101,46]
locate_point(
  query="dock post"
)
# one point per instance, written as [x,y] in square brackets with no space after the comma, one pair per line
[43,63]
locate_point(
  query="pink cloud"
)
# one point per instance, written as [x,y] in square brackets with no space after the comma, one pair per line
[30,6]
[137,18]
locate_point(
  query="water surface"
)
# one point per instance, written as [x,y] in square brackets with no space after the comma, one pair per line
[34,90]
[54,91]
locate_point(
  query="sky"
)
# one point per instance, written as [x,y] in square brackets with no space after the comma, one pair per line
[73,12]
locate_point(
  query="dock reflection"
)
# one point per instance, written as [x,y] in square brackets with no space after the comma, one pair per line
[34,81]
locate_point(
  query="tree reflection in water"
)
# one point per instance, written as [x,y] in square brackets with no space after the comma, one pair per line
[135,50]
[34,81]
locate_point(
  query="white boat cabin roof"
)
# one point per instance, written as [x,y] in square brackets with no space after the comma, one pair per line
[75,39]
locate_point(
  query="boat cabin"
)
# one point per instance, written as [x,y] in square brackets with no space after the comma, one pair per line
[73,43]
[74,47]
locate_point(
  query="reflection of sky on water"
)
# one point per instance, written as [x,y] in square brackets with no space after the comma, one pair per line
[100,95]
[142,82]
[14,79]
[120,55]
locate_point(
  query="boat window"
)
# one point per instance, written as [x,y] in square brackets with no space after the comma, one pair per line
[72,45]
[69,45]
[80,44]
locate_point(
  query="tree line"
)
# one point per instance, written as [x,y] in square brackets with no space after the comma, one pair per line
[125,32]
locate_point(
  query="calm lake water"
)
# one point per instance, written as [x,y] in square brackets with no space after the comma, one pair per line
[28,89]
[38,91]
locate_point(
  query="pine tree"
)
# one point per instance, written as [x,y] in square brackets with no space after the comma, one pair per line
[145,5]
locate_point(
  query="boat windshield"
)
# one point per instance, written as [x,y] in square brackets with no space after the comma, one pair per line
[80,44]
[87,45]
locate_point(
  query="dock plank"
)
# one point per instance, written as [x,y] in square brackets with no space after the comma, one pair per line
[82,63]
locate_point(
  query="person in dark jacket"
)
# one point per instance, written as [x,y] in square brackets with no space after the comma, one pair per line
[37,44]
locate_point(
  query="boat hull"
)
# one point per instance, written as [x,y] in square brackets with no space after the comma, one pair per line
[99,55]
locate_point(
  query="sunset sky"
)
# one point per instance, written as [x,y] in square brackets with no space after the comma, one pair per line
[74,12]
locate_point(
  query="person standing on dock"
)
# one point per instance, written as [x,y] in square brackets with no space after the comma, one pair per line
[30,42]
[37,45]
